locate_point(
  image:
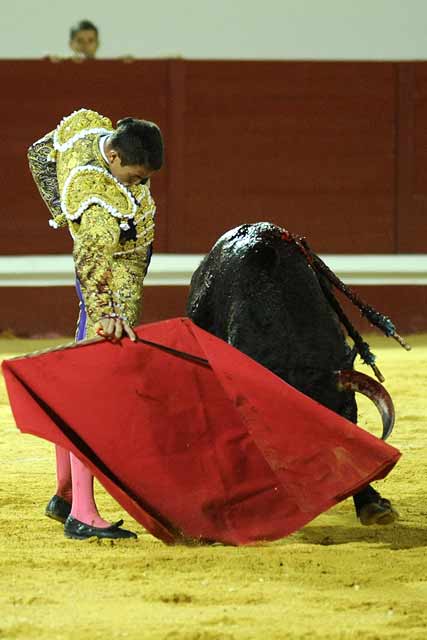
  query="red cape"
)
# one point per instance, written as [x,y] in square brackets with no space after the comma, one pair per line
[224,451]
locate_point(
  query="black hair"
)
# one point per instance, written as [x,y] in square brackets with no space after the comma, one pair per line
[83,25]
[138,142]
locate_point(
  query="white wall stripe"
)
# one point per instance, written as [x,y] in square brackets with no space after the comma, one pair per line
[168,269]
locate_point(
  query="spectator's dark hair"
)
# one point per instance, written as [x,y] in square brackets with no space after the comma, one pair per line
[83,25]
[138,142]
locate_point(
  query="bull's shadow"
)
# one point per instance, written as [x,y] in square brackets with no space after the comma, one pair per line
[395,537]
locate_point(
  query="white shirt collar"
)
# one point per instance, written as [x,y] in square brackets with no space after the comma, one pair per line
[102,141]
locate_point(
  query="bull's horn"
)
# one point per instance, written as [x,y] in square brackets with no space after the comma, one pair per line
[355,381]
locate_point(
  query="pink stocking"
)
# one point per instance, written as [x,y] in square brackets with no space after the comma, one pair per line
[84,507]
[63,474]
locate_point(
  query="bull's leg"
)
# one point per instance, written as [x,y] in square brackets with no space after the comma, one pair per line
[371,508]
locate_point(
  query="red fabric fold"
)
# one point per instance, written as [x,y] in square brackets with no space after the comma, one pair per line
[226,452]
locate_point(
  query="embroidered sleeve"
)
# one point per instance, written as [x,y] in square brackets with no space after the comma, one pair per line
[96,239]
[44,173]
[129,270]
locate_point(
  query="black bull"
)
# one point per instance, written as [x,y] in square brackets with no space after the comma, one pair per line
[259,293]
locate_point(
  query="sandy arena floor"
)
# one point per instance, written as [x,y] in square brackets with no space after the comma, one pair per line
[334,580]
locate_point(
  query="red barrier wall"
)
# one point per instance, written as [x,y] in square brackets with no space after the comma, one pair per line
[336,151]
[41,310]
[333,150]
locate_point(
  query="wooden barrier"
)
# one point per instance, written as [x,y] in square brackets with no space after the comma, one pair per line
[335,151]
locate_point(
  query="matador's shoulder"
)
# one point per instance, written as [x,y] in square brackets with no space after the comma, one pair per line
[78,125]
[90,185]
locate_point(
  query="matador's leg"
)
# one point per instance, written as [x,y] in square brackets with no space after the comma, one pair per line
[59,506]
[63,474]
[84,521]
[84,508]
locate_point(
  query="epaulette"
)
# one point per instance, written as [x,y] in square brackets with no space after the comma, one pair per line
[78,125]
[87,185]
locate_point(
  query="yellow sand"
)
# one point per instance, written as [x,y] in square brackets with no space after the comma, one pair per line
[334,580]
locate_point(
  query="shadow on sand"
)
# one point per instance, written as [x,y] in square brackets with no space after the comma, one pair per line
[396,536]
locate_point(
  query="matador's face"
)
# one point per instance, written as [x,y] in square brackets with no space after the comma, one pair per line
[129,175]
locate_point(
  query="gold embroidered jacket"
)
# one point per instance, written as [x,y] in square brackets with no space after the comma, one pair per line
[112,225]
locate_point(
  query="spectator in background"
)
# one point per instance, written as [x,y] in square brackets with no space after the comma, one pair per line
[84,43]
[84,40]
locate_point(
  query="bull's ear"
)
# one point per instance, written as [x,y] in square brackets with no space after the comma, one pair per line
[264,256]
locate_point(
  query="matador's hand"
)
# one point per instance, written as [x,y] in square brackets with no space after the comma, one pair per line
[114,328]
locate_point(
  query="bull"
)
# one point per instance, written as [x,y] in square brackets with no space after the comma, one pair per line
[262,291]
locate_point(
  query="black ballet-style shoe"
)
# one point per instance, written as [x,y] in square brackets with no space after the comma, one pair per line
[80,531]
[58,509]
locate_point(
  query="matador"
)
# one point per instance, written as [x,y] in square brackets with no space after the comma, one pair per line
[95,180]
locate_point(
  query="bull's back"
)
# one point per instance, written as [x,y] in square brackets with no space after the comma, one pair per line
[255,287]
[257,291]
